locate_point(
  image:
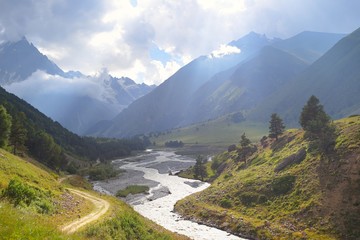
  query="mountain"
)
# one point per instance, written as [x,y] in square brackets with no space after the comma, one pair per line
[242,88]
[67,97]
[18,60]
[284,189]
[167,105]
[45,135]
[309,46]
[334,79]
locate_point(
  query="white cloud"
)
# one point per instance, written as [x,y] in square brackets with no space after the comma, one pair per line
[41,84]
[224,50]
[90,35]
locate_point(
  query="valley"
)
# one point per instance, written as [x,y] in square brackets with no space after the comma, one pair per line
[177,120]
[152,169]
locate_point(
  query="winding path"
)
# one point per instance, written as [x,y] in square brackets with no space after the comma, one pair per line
[101,207]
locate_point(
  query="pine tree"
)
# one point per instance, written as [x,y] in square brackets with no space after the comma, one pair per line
[276,127]
[244,142]
[313,117]
[317,125]
[18,134]
[5,126]
[200,168]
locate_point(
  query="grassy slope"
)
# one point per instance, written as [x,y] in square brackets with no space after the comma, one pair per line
[219,132]
[24,222]
[323,202]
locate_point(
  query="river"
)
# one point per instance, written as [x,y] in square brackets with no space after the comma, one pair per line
[152,169]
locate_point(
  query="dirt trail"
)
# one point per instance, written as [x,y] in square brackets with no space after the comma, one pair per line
[101,207]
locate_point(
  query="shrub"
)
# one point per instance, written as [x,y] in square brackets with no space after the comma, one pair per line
[226,203]
[249,198]
[20,193]
[232,148]
[283,184]
[133,189]
[102,172]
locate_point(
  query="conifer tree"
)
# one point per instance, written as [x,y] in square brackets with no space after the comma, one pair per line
[199,168]
[18,134]
[244,142]
[276,127]
[5,126]
[317,125]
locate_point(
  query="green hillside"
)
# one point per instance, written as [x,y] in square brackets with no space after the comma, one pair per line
[221,132]
[284,190]
[48,142]
[245,86]
[333,78]
[34,204]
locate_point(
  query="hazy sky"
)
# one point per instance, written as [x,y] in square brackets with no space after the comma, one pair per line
[148,40]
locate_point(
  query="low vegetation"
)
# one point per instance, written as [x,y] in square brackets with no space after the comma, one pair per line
[132,189]
[102,171]
[218,132]
[286,188]
[34,203]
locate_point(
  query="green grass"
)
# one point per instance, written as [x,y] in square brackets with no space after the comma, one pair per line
[124,223]
[20,217]
[132,189]
[219,132]
[17,223]
[301,200]
[14,167]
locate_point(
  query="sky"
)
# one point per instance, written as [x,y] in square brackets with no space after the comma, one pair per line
[149,40]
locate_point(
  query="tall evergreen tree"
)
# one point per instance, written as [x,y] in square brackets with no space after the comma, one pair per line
[276,127]
[199,168]
[317,125]
[5,126]
[18,132]
[244,142]
[313,117]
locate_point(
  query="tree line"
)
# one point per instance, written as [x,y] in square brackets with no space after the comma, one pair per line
[20,135]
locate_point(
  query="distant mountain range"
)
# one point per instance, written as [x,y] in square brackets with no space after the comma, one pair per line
[334,79]
[263,76]
[259,77]
[20,63]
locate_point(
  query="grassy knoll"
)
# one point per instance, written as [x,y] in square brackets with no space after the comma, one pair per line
[34,204]
[281,190]
[132,189]
[219,132]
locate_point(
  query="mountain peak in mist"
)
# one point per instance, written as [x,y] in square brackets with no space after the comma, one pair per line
[20,59]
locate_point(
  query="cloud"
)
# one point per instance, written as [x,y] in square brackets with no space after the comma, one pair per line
[41,84]
[119,35]
[224,50]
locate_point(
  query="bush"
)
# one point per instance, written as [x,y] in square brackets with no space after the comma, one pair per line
[232,148]
[226,203]
[18,192]
[283,185]
[23,194]
[249,198]
[174,144]
[133,189]
[102,172]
